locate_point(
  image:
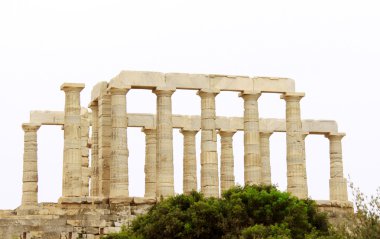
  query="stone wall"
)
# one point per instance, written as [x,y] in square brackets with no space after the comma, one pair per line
[85,219]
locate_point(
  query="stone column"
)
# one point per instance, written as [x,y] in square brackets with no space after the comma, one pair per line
[266,176]
[252,159]
[72,155]
[150,162]
[104,143]
[94,150]
[30,172]
[338,184]
[295,158]
[85,128]
[227,178]
[304,135]
[119,147]
[189,161]
[209,153]
[165,167]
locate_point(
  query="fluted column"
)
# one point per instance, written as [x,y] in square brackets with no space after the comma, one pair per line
[304,135]
[227,178]
[209,153]
[266,176]
[189,161]
[72,156]
[104,143]
[252,158]
[165,167]
[94,150]
[150,162]
[119,147]
[85,128]
[338,184]
[295,157]
[30,172]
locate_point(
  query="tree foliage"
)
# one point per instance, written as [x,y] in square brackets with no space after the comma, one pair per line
[242,212]
[365,223]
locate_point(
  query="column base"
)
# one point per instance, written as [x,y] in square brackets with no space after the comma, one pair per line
[28,210]
[338,189]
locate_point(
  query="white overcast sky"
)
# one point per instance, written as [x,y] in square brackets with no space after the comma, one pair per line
[330,48]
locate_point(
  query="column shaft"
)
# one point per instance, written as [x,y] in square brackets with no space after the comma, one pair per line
[209,154]
[266,177]
[296,170]
[304,171]
[72,156]
[30,172]
[85,128]
[165,167]
[104,143]
[189,161]
[94,151]
[150,162]
[252,158]
[227,178]
[119,148]
[338,184]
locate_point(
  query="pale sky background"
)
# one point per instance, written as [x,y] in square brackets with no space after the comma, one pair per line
[330,48]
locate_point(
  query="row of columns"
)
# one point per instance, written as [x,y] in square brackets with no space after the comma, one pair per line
[109,176]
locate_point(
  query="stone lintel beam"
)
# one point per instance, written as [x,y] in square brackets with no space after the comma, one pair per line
[97,90]
[320,127]
[152,80]
[273,84]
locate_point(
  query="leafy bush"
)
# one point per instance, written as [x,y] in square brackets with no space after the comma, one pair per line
[242,212]
[365,223]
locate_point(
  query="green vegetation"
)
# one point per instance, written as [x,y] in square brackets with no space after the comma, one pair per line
[252,212]
[249,212]
[365,223]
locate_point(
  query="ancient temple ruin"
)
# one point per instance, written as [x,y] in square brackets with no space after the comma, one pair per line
[95,200]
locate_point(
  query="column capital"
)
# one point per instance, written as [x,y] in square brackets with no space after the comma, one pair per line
[335,136]
[29,127]
[226,132]
[292,96]
[208,92]
[164,91]
[266,133]
[148,130]
[188,131]
[118,90]
[305,134]
[76,87]
[253,95]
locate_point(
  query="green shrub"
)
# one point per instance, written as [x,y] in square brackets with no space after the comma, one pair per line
[242,212]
